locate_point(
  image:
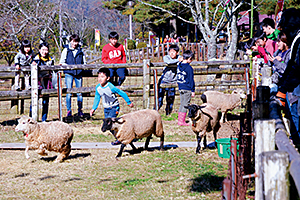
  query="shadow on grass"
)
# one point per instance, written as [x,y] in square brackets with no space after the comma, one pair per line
[47,177]
[22,175]
[75,118]
[141,149]
[206,182]
[77,155]
[72,179]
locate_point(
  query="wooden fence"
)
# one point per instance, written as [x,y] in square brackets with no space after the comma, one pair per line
[272,167]
[143,89]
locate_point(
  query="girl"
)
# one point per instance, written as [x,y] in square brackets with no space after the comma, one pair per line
[43,58]
[23,58]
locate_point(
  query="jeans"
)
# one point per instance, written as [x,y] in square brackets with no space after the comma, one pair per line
[294,120]
[121,73]
[45,103]
[170,97]
[185,99]
[69,84]
[111,112]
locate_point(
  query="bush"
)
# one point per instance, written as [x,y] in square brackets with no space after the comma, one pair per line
[141,45]
[131,44]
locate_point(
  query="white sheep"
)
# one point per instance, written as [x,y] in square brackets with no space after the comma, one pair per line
[203,118]
[52,136]
[222,101]
[135,125]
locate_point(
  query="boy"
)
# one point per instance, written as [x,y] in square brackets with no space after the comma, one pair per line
[113,53]
[73,55]
[186,85]
[268,26]
[169,76]
[108,92]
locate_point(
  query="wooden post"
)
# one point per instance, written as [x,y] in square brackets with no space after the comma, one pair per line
[146,84]
[264,141]
[266,75]
[274,173]
[59,92]
[155,82]
[34,92]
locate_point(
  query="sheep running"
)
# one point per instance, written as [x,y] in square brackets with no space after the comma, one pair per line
[135,125]
[52,136]
[203,118]
[223,102]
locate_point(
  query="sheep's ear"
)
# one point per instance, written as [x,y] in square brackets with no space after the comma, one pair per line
[120,120]
[187,107]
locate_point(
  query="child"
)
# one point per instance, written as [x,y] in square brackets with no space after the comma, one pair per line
[186,85]
[169,76]
[268,26]
[113,53]
[108,92]
[72,55]
[23,58]
[45,80]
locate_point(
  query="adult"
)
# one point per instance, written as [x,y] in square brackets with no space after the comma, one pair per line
[290,80]
[167,39]
[175,38]
[73,55]
[44,77]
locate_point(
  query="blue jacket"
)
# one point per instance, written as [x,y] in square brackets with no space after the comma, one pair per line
[185,77]
[77,60]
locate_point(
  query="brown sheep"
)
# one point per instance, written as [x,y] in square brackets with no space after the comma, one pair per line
[135,125]
[222,101]
[203,118]
[52,136]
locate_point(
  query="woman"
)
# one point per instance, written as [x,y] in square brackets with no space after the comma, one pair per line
[44,77]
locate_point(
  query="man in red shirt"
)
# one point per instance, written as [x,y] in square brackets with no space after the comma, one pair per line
[113,53]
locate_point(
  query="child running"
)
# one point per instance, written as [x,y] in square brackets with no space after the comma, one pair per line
[108,92]
[186,85]
[23,58]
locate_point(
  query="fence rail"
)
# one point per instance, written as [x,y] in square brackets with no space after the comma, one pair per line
[134,70]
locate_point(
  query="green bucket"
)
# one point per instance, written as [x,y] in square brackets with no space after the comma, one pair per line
[223,145]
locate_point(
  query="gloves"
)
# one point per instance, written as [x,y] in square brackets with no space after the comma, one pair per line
[281,97]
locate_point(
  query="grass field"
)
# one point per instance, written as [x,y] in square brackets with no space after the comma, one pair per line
[96,174]
[177,173]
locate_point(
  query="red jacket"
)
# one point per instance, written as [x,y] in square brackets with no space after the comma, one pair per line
[113,55]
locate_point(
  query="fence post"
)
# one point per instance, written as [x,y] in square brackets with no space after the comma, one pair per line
[34,92]
[155,81]
[274,175]
[264,141]
[59,92]
[146,83]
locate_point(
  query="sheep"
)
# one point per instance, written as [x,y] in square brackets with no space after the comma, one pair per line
[203,118]
[135,125]
[52,136]
[223,102]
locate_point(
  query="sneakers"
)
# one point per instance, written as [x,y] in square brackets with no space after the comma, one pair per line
[16,88]
[117,142]
[69,114]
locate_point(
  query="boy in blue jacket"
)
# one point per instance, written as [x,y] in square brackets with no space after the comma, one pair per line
[186,85]
[108,92]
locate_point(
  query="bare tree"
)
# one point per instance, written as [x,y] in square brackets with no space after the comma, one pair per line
[211,17]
